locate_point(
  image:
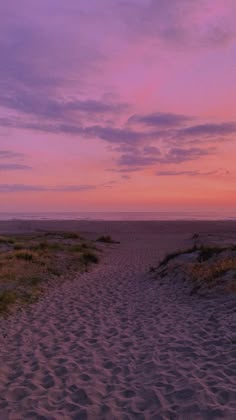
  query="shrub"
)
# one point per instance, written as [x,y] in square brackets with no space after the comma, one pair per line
[106,239]
[70,235]
[33,280]
[89,257]
[76,248]
[207,252]
[7,298]
[25,255]
[6,240]
[43,245]
[18,246]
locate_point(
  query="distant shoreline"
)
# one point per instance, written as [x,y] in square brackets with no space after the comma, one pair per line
[94,227]
[120,216]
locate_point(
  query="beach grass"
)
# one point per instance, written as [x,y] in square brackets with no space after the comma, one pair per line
[28,262]
[174,254]
[209,263]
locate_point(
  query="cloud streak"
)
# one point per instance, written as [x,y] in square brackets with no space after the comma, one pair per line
[192,173]
[9,154]
[14,167]
[13,188]
[11,161]
[160,120]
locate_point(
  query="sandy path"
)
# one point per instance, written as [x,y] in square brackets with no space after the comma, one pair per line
[115,344]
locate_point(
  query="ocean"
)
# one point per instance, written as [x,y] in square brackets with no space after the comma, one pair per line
[119,216]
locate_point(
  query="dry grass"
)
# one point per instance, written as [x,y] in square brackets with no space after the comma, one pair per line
[27,262]
[210,264]
[209,271]
[175,254]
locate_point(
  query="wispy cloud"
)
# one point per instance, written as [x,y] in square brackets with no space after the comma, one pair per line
[160,120]
[9,154]
[13,167]
[184,23]
[138,159]
[12,161]
[8,188]
[179,155]
[193,173]
[209,130]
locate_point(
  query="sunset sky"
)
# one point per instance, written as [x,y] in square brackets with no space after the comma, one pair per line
[117,105]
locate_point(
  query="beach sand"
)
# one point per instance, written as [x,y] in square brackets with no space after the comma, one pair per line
[116,343]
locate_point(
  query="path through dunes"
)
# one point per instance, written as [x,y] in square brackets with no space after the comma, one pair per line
[116,344]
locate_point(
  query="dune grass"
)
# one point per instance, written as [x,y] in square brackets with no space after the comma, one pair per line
[205,253]
[28,262]
[174,254]
[210,264]
[209,271]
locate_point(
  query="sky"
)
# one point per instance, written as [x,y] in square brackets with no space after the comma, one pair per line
[117,105]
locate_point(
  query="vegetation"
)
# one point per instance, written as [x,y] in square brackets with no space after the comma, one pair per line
[106,239]
[6,240]
[28,262]
[210,271]
[7,298]
[204,253]
[89,257]
[207,252]
[175,254]
[210,264]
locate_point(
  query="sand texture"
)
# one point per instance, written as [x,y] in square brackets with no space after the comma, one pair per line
[116,343]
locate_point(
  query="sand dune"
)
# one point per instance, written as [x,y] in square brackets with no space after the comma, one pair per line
[115,343]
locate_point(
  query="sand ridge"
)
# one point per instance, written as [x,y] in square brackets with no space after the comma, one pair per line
[115,343]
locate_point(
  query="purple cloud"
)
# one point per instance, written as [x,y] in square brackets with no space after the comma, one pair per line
[117,135]
[43,106]
[9,154]
[181,24]
[138,160]
[11,161]
[179,155]
[160,119]
[151,150]
[191,173]
[13,167]
[8,188]
[209,130]
[46,86]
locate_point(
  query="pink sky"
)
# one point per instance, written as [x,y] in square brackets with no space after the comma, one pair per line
[117,105]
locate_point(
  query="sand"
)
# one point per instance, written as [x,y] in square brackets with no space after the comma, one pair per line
[116,343]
